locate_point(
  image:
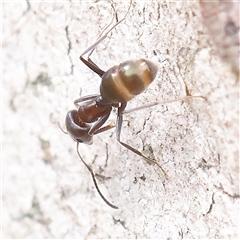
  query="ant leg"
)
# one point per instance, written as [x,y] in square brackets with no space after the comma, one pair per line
[115,14]
[84,99]
[90,64]
[94,180]
[105,128]
[157,103]
[96,128]
[89,61]
[118,133]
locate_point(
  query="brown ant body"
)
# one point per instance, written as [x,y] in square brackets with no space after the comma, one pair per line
[119,85]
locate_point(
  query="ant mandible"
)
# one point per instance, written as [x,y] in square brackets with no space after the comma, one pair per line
[119,85]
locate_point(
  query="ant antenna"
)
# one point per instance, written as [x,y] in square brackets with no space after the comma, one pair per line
[59,125]
[94,180]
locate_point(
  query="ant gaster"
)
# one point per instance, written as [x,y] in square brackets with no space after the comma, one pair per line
[119,85]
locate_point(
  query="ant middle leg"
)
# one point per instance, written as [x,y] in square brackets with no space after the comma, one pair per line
[118,136]
[159,103]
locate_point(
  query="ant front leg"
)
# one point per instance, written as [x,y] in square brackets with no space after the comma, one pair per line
[96,128]
[105,128]
[85,99]
[118,134]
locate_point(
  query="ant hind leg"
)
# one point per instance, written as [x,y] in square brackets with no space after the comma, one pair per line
[118,134]
[102,36]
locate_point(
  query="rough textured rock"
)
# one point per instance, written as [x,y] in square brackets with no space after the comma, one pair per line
[48,193]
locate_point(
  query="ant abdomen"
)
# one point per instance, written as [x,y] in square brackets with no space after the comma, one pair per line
[123,82]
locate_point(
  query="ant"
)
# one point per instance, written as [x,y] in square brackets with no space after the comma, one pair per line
[119,85]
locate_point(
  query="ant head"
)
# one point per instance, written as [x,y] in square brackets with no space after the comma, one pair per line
[78,129]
